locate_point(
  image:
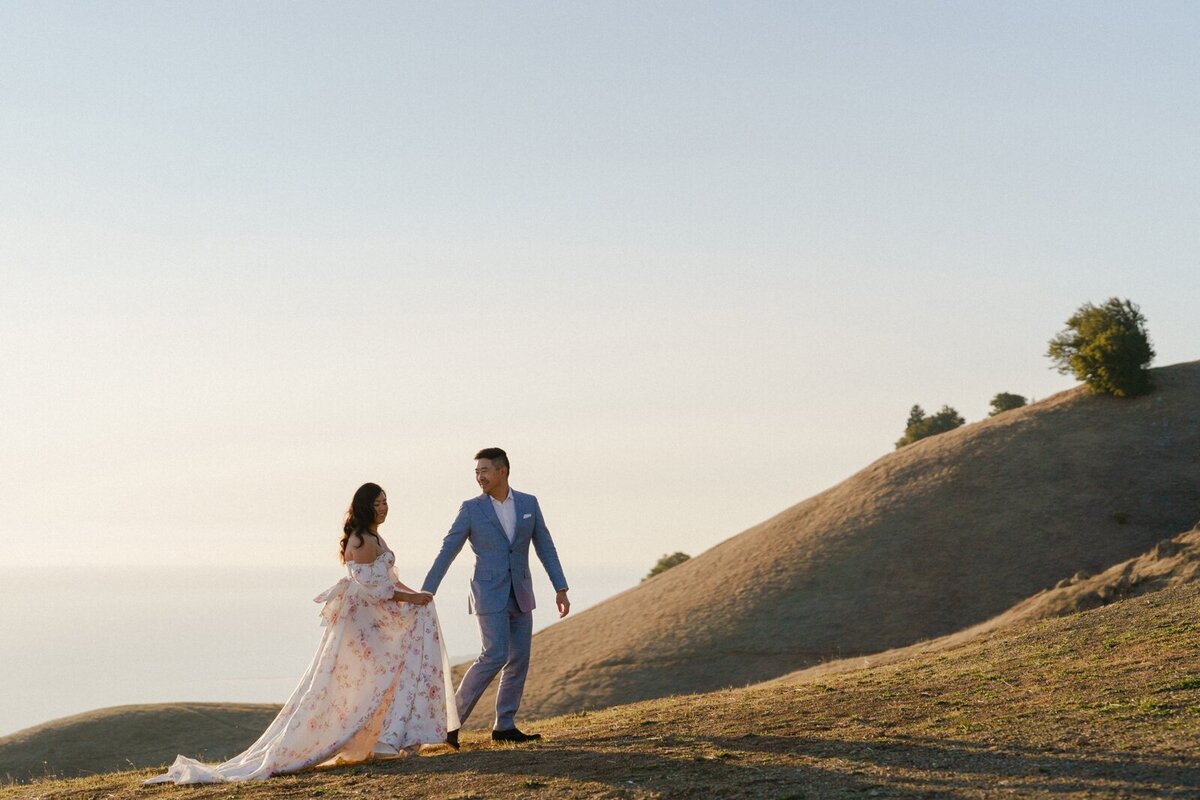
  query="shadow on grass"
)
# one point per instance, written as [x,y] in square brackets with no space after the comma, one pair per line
[961,764]
[788,767]
[616,773]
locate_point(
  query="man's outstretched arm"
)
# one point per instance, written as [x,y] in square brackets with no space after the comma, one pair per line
[452,545]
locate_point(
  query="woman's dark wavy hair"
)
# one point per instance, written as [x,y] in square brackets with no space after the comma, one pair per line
[360,516]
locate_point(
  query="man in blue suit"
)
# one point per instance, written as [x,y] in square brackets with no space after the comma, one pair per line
[500,524]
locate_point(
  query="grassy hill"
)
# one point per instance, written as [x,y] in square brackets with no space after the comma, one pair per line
[1103,703]
[125,737]
[929,540]
[932,552]
[1171,562]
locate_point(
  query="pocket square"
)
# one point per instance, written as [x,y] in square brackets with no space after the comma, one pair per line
[527,516]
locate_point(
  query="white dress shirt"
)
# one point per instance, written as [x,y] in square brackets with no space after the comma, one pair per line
[507,512]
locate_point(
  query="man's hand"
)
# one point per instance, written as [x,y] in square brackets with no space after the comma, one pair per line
[564,605]
[416,598]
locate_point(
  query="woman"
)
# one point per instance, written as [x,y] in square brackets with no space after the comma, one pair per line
[380,682]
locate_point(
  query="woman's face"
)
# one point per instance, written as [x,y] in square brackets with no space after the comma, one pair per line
[381,508]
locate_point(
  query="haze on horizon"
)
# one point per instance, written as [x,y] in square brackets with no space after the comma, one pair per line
[689,263]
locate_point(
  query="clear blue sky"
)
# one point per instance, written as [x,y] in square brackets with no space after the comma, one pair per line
[690,263]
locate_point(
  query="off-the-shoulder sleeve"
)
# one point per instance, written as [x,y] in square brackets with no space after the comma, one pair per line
[372,580]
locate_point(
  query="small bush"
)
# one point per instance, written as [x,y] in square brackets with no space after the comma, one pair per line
[920,426]
[1006,402]
[666,562]
[1107,347]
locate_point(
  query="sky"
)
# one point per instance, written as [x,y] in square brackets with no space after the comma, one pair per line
[688,263]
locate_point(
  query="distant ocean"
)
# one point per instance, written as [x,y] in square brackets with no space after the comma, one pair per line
[78,639]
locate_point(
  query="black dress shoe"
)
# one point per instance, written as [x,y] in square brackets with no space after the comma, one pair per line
[514,735]
[452,738]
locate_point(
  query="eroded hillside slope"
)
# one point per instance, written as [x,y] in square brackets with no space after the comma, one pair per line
[928,540]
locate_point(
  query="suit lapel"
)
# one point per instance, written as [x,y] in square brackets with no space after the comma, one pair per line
[490,512]
[521,508]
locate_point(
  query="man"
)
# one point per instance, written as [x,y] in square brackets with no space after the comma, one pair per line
[499,524]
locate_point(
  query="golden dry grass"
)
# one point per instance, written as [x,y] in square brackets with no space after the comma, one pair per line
[929,540]
[1169,563]
[126,737]
[1105,703]
[917,559]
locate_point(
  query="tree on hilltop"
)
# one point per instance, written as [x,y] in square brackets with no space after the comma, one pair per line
[665,563]
[920,425]
[1004,401]
[1107,347]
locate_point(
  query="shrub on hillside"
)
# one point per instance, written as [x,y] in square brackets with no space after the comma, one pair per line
[666,562]
[1006,402]
[920,426]
[1107,347]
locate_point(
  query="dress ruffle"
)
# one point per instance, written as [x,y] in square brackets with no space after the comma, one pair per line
[333,598]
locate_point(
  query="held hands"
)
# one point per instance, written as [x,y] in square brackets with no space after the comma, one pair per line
[416,598]
[564,605]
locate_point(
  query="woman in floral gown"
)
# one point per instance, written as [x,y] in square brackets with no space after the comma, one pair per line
[379,684]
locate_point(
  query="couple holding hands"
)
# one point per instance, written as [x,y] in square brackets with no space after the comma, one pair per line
[379,684]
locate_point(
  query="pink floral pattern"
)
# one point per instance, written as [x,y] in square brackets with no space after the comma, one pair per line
[379,685]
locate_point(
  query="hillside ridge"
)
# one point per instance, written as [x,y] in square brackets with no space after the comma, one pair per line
[119,737]
[923,542]
[1104,703]
[1171,562]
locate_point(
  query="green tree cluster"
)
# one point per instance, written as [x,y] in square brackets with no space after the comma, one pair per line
[920,425]
[665,563]
[1006,401]
[1107,347]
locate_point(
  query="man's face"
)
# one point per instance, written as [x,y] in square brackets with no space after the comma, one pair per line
[489,476]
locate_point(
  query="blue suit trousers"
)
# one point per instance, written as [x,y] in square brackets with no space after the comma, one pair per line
[506,636]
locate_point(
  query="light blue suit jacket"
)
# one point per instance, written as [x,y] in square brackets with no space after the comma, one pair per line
[500,566]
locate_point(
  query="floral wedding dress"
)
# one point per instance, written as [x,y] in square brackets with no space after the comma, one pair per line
[379,685]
